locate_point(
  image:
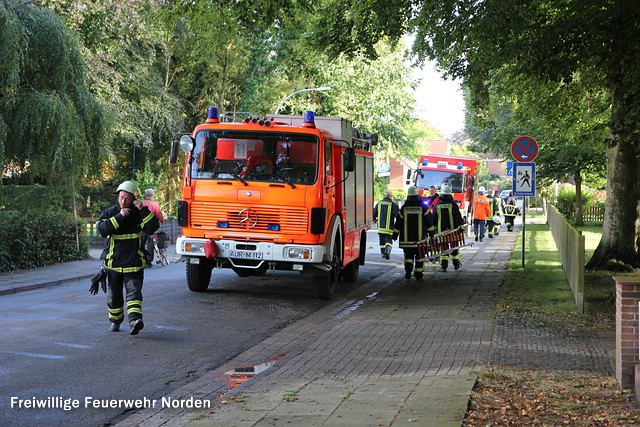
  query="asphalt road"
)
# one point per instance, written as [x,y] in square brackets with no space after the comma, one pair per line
[55,346]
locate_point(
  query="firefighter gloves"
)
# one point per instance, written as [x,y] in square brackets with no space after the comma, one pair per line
[100,278]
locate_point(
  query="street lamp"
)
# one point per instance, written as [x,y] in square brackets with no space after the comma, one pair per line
[309,89]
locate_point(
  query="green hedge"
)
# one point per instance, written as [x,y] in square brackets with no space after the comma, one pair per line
[33,239]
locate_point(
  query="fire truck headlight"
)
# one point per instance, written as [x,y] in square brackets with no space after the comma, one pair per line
[195,248]
[187,143]
[298,253]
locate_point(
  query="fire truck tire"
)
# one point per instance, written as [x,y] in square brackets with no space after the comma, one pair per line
[326,284]
[350,272]
[199,276]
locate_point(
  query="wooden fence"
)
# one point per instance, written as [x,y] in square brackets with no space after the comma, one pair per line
[570,244]
[589,214]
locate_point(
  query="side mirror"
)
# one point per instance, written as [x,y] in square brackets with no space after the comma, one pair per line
[373,138]
[349,160]
[173,154]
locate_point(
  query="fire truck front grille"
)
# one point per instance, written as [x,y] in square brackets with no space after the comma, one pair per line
[266,219]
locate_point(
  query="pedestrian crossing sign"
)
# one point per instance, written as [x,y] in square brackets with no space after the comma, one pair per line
[524,179]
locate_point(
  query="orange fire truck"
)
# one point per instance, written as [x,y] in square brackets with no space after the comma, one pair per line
[282,193]
[458,172]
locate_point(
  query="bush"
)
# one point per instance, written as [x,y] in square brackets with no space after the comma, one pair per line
[566,201]
[33,239]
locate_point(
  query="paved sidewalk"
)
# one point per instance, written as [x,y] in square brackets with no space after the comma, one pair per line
[43,277]
[53,275]
[397,352]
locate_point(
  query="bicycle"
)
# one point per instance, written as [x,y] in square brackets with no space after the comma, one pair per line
[160,250]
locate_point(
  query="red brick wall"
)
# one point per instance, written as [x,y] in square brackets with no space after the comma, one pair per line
[627,329]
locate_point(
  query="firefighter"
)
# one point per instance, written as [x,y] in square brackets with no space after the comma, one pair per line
[447,216]
[481,211]
[493,227]
[385,213]
[510,211]
[413,224]
[123,257]
[433,197]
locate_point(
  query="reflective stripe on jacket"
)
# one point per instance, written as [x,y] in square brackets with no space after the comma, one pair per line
[123,251]
[385,213]
[510,208]
[413,223]
[447,215]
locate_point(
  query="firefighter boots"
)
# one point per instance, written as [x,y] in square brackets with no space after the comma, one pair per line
[443,265]
[457,264]
[136,326]
[115,327]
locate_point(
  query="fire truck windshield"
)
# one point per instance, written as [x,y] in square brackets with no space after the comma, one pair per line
[255,156]
[436,178]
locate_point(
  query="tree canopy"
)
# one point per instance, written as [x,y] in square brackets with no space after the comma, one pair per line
[50,123]
[547,42]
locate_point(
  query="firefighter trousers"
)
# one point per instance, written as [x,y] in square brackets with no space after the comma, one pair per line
[132,284]
[386,243]
[509,220]
[411,257]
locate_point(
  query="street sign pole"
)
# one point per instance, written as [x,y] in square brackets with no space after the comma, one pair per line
[524,217]
[524,149]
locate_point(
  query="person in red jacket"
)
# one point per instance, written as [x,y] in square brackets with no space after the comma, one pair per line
[154,207]
[123,257]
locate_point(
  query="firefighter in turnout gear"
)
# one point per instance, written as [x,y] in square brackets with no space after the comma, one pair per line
[510,211]
[493,228]
[447,216]
[123,257]
[414,223]
[385,213]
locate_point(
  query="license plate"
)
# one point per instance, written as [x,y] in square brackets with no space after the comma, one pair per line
[245,254]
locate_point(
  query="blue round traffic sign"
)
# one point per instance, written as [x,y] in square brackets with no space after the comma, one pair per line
[524,149]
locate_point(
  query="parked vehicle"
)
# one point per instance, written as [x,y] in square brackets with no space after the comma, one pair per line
[280,193]
[461,173]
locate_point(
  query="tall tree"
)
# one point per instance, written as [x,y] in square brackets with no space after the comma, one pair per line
[568,120]
[547,40]
[52,124]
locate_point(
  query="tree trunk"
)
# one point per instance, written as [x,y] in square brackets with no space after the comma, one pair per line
[577,177]
[617,244]
[618,231]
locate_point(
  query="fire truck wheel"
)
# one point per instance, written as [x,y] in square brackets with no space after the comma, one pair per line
[350,272]
[199,276]
[326,284]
